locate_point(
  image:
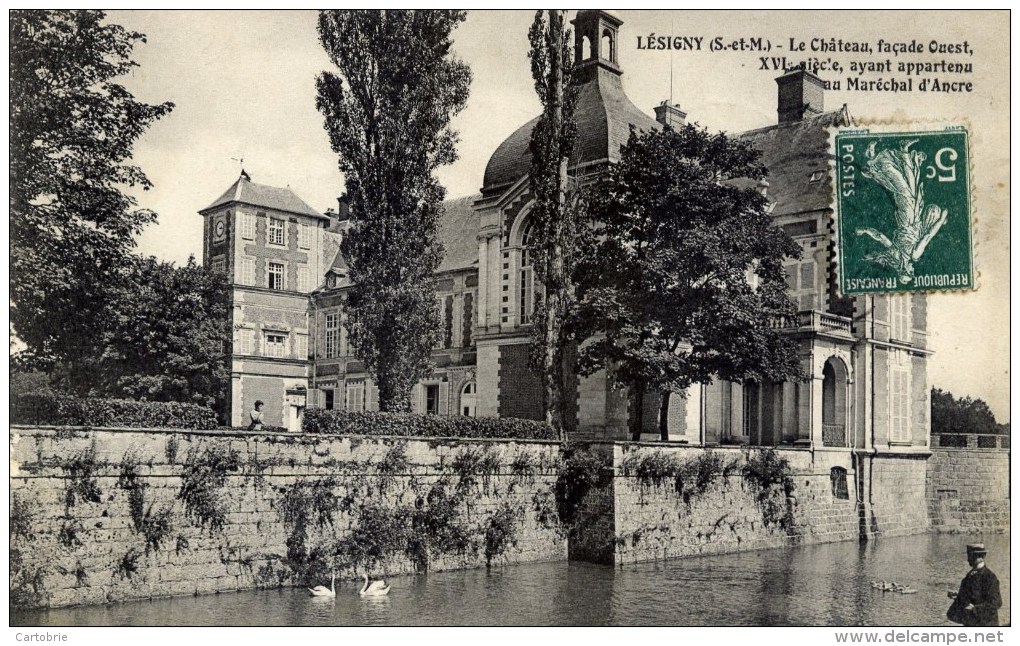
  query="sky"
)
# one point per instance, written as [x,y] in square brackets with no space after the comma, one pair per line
[244,87]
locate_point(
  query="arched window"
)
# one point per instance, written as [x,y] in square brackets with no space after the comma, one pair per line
[585,48]
[835,380]
[468,395]
[526,287]
[608,46]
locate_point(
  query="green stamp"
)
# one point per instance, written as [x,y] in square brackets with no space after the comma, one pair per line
[903,211]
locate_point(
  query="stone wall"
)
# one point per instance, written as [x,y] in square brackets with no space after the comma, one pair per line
[107,515]
[726,510]
[894,493]
[968,486]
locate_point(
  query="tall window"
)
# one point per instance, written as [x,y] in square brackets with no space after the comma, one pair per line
[332,340]
[247,225]
[468,398]
[899,397]
[800,278]
[276,345]
[329,403]
[275,275]
[468,322]
[448,322]
[246,270]
[899,315]
[526,302]
[302,280]
[304,236]
[276,235]
[432,399]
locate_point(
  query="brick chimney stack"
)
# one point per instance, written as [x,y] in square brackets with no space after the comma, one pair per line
[801,94]
[670,115]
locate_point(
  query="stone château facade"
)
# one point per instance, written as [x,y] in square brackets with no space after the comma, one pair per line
[866,356]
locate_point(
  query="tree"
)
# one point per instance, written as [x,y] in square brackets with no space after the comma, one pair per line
[72,129]
[387,112]
[553,221]
[950,414]
[165,336]
[683,272]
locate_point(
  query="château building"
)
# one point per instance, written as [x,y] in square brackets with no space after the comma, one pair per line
[866,356]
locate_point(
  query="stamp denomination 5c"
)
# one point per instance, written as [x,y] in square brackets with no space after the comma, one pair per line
[903,211]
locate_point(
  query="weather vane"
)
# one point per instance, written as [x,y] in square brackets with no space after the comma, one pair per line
[241,162]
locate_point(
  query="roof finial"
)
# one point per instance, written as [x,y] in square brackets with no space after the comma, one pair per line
[240,161]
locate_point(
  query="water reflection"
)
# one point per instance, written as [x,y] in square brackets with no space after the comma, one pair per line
[810,585]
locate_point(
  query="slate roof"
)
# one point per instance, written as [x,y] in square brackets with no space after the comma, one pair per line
[458,232]
[244,191]
[793,152]
[603,115]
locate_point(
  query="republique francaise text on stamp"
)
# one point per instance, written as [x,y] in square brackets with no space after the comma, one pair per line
[903,210]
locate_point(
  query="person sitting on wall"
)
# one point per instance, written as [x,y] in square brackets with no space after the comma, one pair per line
[978,601]
[256,416]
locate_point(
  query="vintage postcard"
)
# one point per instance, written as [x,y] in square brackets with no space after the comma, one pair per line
[574,317]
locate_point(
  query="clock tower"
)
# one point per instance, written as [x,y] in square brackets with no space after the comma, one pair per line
[267,244]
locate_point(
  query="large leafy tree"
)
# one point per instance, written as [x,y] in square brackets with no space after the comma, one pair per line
[553,218]
[684,269]
[72,128]
[387,110]
[164,336]
[951,414]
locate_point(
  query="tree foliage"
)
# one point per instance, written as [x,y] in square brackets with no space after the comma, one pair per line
[165,336]
[387,111]
[683,270]
[950,414]
[553,218]
[71,133]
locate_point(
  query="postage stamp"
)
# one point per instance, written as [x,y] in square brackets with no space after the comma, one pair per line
[903,210]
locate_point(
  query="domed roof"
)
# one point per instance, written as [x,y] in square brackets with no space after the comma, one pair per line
[604,115]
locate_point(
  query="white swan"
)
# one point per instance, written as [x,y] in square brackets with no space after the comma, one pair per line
[323,591]
[376,589]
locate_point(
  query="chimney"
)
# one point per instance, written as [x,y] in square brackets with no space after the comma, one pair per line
[344,204]
[801,94]
[670,115]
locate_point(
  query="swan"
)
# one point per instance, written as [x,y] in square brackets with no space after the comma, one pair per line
[323,591]
[376,589]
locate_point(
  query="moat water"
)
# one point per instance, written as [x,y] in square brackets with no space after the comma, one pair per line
[822,585]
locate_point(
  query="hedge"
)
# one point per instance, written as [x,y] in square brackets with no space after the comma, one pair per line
[65,410]
[318,420]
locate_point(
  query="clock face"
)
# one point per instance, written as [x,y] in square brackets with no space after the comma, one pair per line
[220,230]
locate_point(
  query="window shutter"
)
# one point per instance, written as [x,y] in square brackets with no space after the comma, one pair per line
[372,395]
[416,404]
[468,320]
[302,278]
[444,398]
[246,271]
[301,341]
[248,226]
[304,236]
[807,275]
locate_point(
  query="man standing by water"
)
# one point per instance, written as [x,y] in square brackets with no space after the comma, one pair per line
[978,601]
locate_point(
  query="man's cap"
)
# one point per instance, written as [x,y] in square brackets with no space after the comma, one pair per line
[977,549]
